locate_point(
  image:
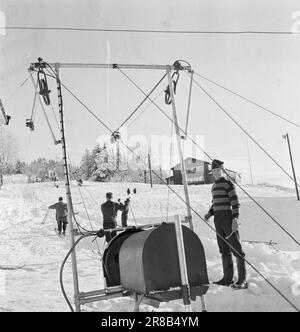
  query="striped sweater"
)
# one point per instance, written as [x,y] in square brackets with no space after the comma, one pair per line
[224,198]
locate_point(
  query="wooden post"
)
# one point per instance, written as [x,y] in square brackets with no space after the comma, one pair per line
[292,163]
[182,265]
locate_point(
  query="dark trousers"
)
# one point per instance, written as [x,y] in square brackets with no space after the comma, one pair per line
[62,225]
[109,225]
[124,218]
[223,224]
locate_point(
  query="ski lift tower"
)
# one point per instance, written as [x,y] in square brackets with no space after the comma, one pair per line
[56,68]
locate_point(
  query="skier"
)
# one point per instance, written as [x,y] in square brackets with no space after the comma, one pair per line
[109,211]
[61,215]
[225,209]
[124,215]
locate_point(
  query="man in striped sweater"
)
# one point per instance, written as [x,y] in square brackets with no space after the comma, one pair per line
[225,209]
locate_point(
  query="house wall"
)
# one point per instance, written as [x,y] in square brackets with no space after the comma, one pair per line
[177,176]
[198,172]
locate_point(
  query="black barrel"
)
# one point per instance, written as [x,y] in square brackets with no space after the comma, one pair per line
[149,260]
[110,261]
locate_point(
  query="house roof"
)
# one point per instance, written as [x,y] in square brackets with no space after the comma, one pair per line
[198,160]
[186,159]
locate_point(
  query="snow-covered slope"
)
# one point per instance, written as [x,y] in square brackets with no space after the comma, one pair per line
[31,253]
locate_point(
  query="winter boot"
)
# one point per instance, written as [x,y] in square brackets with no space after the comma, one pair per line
[228,271]
[241,267]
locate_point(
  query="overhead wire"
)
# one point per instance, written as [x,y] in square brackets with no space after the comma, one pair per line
[141,103]
[248,100]
[245,131]
[16,90]
[144,109]
[159,31]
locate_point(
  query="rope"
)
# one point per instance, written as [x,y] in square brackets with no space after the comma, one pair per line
[134,120]
[133,216]
[183,200]
[141,103]
[189,104]
[16,90]
[43,109]
[87,213]
[33,106]
[247,99]
[61,273]
[40,264]
[259,145]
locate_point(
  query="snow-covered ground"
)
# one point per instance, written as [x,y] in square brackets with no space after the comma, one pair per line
[31,253]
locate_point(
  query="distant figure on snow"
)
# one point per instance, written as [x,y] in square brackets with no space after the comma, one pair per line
[61,215]
[225,209]
[124,215]
[110,211]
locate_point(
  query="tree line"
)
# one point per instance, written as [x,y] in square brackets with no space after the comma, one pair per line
[99,164]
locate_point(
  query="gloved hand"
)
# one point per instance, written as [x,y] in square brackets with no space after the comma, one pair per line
[100,233]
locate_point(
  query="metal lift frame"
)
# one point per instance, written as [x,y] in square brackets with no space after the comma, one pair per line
[81,298]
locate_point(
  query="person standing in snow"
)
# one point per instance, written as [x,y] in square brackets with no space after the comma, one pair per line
[109,211]
[61,215]
[225,209]
[124,215]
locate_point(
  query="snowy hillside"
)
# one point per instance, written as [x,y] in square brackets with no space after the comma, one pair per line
[31,253]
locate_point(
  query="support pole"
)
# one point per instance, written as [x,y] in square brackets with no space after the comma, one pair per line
[293,168]
[150,169]
[182,265]
[178,137]
[189,106]
[68,192]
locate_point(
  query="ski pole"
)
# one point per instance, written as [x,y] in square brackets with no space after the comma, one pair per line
[45,217]
[229,236]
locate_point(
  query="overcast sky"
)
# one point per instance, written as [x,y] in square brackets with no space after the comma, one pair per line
[265,68]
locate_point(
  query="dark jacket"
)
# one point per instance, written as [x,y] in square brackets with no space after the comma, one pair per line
[61,210]
[110,210]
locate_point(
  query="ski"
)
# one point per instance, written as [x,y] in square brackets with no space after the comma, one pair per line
[242,286]
[232,286]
